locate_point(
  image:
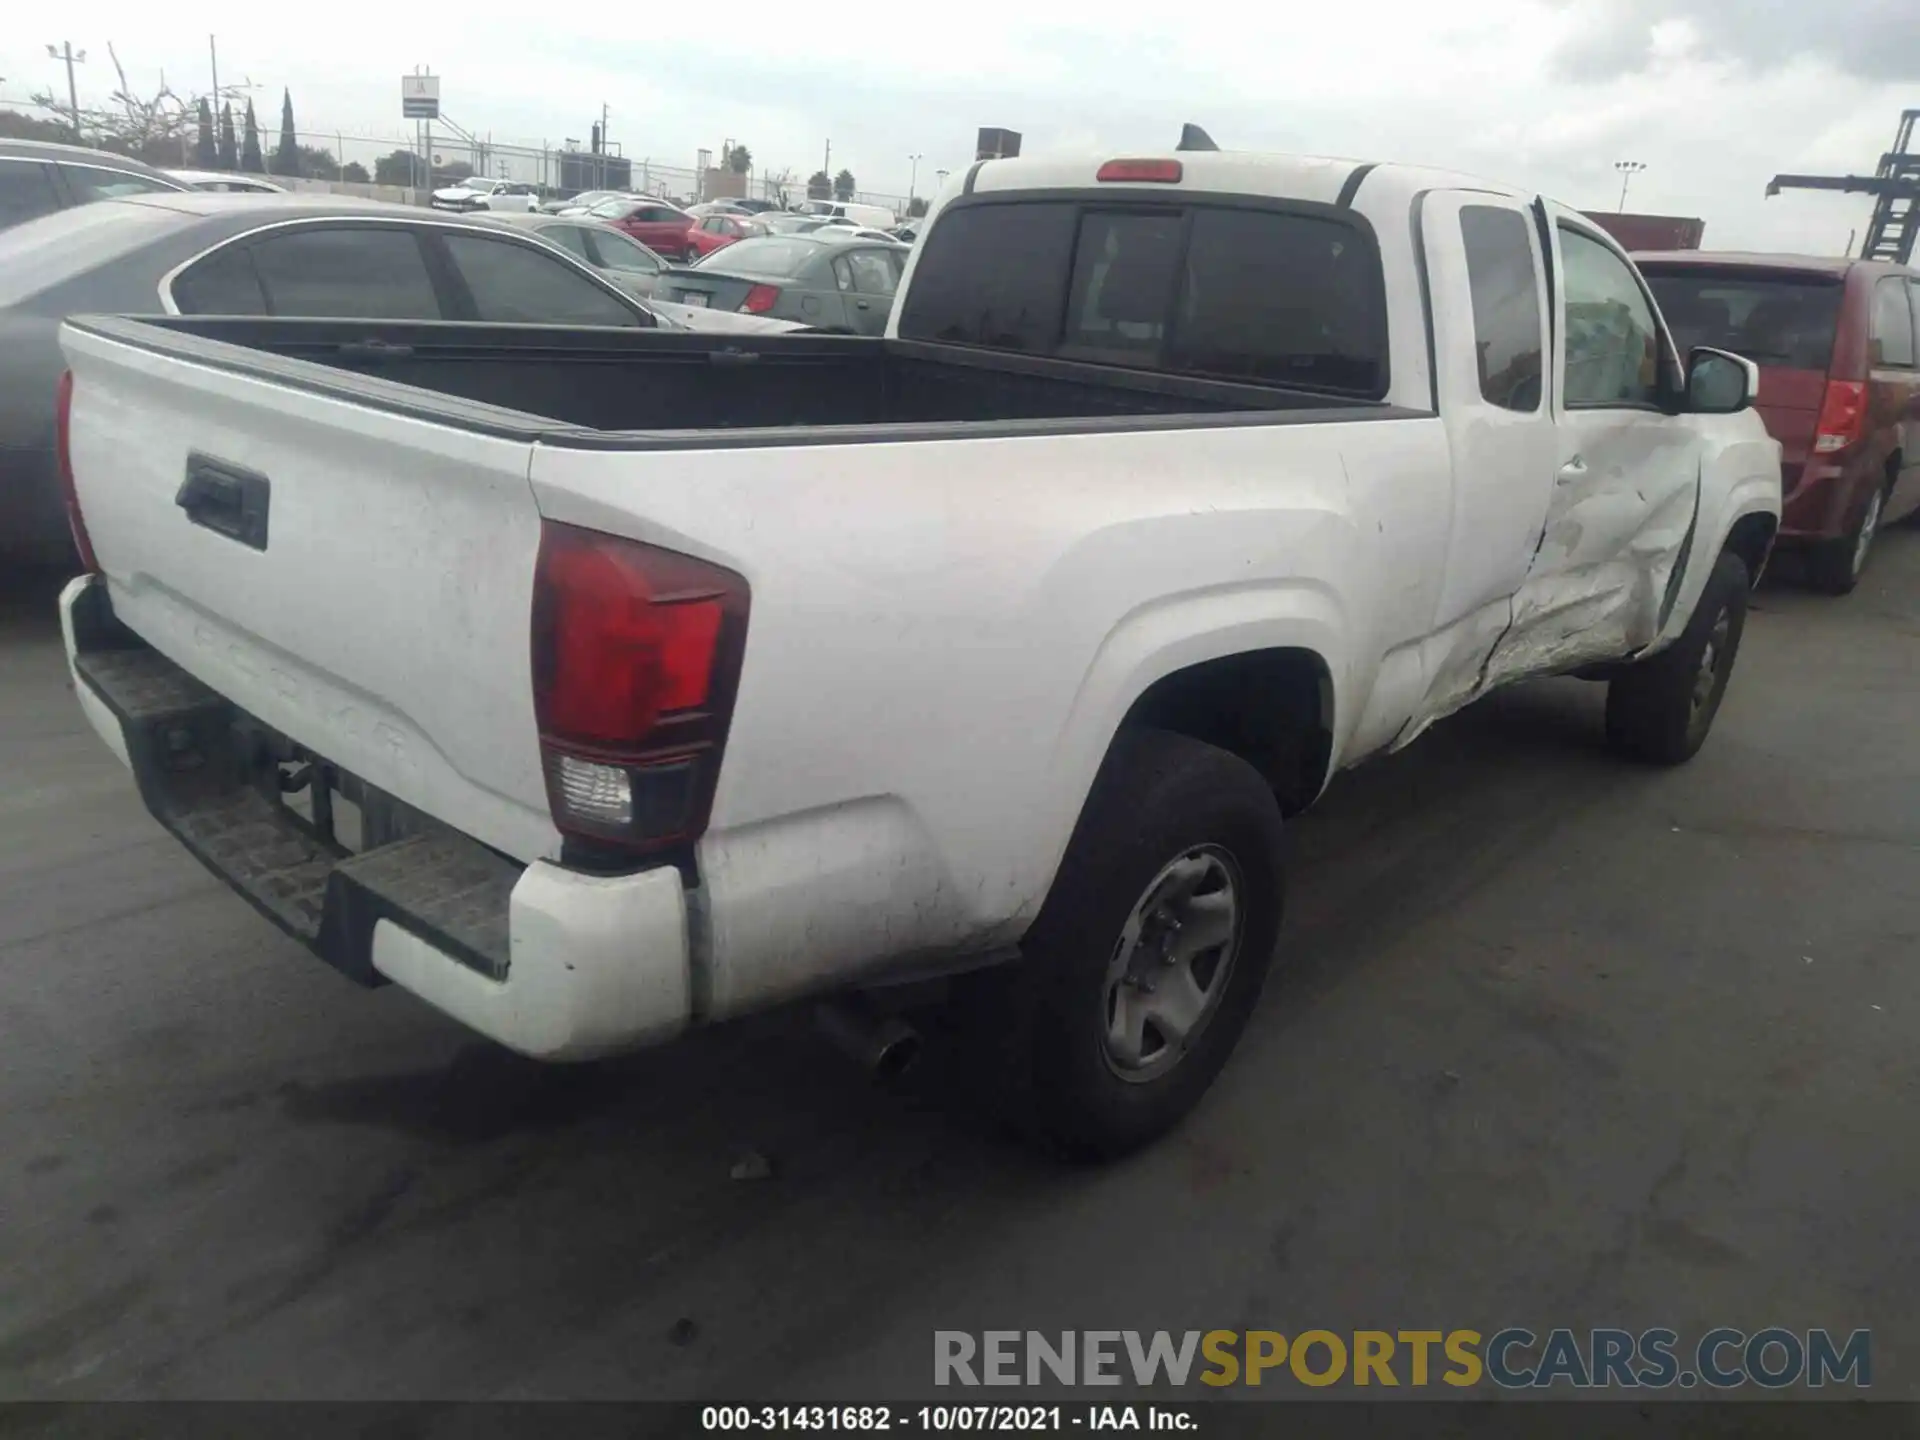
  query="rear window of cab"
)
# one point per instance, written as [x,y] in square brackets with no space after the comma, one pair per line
[1257,295]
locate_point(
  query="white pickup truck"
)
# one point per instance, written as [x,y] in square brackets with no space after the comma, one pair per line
[593,685]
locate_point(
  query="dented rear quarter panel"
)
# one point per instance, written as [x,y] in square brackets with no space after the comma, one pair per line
[945,636]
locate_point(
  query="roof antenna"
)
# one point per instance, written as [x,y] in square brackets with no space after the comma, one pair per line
[1192,137]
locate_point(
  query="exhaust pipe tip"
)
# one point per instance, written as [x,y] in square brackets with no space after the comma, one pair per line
[883,1045]
[898,1047]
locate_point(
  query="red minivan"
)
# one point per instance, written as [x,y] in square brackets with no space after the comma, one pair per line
[1837,343]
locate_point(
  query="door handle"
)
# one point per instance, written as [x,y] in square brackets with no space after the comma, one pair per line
[1573,471]
[863,304]
[226,499]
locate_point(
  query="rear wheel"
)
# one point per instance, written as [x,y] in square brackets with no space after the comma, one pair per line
[1661,709]
[1141,971]
[1836,566]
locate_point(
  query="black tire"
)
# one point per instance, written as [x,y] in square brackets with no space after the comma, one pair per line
[1160,800]
[1835,567]
[1652,714]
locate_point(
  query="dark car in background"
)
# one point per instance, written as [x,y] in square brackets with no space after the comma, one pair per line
[1838,348]
[38,178]
[198,253]
[824,283]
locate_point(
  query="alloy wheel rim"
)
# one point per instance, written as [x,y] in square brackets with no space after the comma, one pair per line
[1172,963]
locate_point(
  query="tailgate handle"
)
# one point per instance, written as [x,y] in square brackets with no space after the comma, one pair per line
[226,499]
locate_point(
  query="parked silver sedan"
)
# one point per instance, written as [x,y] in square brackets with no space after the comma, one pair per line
[617,257]
[828,280]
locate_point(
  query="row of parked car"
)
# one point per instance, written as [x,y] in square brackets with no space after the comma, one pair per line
[825,265]
[89,232]
[682,231]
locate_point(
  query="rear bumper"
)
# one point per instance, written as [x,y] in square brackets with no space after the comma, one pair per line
[1822,500]
[545,960]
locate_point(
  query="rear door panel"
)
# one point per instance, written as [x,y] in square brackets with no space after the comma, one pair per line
[1502,454]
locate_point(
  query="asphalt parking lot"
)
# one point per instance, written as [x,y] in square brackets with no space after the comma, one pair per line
[1554,1042]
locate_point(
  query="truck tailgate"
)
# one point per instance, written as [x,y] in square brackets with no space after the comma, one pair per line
[358,580]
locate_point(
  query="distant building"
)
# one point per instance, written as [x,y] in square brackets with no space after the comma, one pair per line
[1650,232]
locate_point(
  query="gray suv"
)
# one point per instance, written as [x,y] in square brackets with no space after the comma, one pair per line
[37,178]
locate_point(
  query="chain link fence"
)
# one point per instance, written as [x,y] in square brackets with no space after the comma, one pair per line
[406,163]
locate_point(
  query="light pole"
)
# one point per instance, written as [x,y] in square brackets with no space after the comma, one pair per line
[940,178]
[913,177]
[1628,169]
[73,57]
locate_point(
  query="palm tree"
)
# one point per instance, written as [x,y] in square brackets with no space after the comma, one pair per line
[843,185]
[740,160]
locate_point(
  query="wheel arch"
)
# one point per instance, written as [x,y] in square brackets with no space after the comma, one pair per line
[1274,707]
[1751,538]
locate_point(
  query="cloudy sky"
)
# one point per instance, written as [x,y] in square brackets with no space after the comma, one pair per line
[1713,96]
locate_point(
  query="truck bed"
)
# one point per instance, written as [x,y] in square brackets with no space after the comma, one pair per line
[644,388]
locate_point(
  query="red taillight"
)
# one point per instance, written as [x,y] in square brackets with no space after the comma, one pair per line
[636,652]
[63,450]
[1158,172]
[1843,416]
[760,299]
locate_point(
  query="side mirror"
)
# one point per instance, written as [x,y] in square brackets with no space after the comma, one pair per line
[1720,382]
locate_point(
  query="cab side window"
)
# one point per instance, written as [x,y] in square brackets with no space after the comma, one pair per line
[1613,344]
[1505,286]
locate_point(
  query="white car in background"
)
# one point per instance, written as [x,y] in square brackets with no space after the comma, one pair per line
[846,230]
[479,193]
[876,217]
[227,181]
